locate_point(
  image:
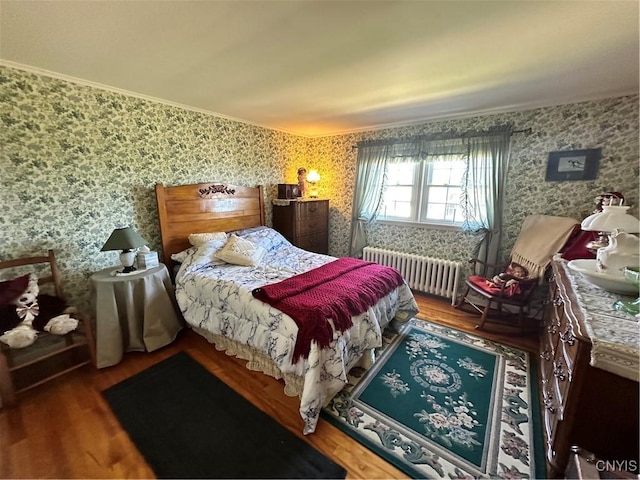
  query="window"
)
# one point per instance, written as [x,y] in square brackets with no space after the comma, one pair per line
[426,191]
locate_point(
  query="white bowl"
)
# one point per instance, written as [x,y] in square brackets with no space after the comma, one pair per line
[610,283]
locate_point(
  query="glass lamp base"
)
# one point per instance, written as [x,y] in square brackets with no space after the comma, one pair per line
[632,307]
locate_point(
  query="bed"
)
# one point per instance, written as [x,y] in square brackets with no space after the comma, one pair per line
[217,297]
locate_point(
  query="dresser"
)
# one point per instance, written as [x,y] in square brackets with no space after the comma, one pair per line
[305,223]
[588,373]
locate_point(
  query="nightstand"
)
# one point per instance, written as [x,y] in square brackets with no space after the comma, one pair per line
[305,223]
[133,312]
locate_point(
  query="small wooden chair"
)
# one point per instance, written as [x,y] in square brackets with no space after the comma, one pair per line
[50,355]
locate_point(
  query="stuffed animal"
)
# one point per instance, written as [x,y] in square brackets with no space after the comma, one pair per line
[24,312]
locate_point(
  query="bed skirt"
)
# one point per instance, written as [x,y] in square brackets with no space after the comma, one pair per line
[256,360]
[259,362]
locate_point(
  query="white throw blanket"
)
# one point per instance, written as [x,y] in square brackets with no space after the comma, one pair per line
[540,238]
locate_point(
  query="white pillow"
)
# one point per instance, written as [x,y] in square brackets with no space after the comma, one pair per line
[197,239]
[206,253]
[180,257]
[239,251]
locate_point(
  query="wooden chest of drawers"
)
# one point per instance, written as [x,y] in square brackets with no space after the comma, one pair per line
[304,223]
[582,405]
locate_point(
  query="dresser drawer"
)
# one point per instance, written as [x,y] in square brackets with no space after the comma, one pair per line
[312,209]
[311,225]
[316,242]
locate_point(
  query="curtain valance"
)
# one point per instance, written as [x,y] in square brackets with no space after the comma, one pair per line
[497,130]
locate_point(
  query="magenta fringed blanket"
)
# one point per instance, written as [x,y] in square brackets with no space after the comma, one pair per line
[337,291]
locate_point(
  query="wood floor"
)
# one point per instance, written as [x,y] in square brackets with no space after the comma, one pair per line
[65,429]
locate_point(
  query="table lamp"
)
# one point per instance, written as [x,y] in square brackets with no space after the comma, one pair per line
[313,178]
[127,240]
[610,218]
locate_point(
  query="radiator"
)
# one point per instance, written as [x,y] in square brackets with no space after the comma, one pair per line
[424,274]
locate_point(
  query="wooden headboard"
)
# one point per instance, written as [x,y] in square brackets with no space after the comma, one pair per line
[205,207]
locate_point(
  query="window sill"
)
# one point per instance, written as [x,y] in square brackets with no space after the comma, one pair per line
[430,226]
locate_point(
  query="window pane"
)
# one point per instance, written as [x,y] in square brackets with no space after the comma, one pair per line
[456,174]
[401,174]
[398,193]
[453,213]
[436,211]
[453,195]
[397,209]
[438,194]
[401,210]
[440,176]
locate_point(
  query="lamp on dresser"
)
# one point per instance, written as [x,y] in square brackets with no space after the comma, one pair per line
[611,217]
[127,240]
[313,178]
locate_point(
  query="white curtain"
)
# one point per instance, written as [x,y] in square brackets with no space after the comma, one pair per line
[367,196]
[484,189]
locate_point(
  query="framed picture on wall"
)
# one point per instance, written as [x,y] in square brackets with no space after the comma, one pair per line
[573,165]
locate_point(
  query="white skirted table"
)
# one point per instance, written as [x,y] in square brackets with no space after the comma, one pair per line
[133,312]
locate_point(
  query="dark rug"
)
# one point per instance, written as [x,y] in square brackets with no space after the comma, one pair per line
[441,403]
[189,424]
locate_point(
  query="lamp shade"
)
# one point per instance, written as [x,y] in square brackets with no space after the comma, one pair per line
[123,239]
[612,217]
[313,176]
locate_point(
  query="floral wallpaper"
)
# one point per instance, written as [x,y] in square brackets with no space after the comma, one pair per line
[78,162]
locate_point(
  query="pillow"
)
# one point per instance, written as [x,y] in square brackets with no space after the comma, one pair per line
[197,239]
[180,257]
[200,251]
[12,289]
[267,238]
[206,252]
[246,231]
[240,251]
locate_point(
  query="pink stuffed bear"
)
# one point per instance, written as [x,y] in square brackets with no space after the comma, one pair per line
[24,313]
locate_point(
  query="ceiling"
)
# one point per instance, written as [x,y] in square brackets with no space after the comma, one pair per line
[329,67]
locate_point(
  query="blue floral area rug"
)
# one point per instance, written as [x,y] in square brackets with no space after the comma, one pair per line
[441,403]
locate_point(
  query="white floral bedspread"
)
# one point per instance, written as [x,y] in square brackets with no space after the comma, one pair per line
[216,297]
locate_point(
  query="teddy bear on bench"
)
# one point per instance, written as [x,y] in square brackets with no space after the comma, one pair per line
[24,312]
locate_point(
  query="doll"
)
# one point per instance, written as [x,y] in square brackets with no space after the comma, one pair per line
[302,181]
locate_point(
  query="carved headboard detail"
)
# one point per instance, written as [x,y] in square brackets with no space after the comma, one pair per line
[211,190]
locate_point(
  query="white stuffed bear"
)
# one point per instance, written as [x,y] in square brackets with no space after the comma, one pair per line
[24,313]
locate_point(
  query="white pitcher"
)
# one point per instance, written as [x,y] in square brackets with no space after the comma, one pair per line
[623,251]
